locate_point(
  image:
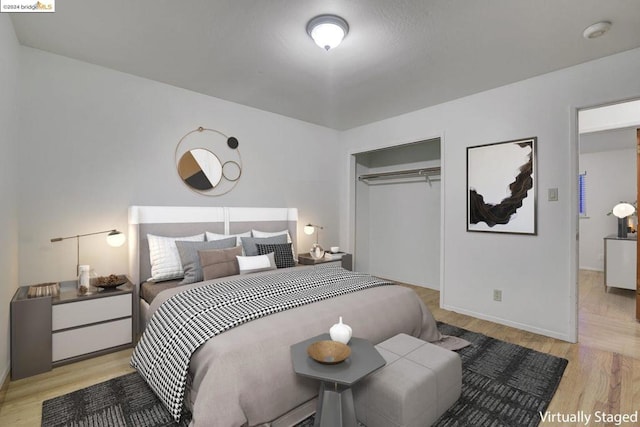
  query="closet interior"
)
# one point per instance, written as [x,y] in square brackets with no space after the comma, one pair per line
[397,213]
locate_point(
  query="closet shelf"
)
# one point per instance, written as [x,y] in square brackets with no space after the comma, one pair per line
[409,173]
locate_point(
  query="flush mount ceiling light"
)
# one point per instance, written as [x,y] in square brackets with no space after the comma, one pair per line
[596,30]
[327,30]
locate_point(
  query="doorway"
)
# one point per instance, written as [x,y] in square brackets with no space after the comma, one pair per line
[608,175]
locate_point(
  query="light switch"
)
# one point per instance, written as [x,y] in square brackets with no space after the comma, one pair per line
[553,194]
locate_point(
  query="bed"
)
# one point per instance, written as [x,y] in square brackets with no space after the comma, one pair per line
[176,221]
[242,375]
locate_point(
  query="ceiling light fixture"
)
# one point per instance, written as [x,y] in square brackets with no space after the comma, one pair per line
[327,31]
[596,30]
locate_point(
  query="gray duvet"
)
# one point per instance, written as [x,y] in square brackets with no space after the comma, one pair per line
[244,377]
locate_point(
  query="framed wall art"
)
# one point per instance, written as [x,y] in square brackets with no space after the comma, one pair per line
[501,187]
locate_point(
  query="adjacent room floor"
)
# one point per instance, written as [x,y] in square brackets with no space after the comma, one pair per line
[607,319]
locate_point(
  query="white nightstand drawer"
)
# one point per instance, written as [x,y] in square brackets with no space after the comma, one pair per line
[90,311]
[76,342]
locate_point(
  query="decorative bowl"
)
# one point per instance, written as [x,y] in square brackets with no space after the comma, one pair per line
[108,282]
[328,352]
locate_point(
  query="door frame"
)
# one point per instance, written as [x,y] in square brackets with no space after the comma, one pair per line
[574,238]
[638,240]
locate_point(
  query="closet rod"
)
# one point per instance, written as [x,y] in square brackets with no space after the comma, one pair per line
[401,174]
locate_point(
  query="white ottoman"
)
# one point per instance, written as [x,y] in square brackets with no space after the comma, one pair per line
[418,384]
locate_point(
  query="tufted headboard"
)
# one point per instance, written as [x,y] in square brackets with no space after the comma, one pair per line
[176,221]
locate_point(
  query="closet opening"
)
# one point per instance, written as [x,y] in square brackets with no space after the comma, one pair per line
[397,213]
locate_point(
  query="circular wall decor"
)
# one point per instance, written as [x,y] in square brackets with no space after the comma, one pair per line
[211,171]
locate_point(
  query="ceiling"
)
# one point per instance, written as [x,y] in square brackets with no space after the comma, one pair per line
[399,56]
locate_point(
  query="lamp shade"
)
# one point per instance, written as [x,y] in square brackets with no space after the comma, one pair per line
[623,210]
[309,229]
[327,31]
[116,239]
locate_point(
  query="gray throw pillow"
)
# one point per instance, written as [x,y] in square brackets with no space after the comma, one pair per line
[249,243]
[191,261]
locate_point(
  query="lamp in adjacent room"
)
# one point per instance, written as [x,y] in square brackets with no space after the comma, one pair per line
[115,239]
[316,250]
[327,31]
[622,211]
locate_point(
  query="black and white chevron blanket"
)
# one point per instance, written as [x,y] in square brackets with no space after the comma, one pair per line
[188,319]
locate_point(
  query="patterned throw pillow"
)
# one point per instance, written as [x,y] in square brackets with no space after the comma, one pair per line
[282,253]
[258,233]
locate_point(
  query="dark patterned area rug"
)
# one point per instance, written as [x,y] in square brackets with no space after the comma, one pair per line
[503,384]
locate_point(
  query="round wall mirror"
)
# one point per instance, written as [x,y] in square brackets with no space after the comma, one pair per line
[200,169]
[211,172]
[231,170]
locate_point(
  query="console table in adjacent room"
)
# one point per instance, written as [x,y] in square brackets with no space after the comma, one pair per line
[620,261]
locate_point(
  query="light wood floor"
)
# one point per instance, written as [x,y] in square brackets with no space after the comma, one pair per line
[603,372]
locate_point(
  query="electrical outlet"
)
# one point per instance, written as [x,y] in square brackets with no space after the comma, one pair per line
[553,194]
[497,295]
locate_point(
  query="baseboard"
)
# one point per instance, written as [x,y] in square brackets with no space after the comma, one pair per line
[522,326]
[4,377]
[591,269]
[418,285]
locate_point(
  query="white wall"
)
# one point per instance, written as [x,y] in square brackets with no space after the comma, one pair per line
[94,141]
[537,274]
[611,178]
[9,65]
[615,139]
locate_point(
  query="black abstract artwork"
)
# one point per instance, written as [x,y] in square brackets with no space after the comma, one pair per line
[501,187]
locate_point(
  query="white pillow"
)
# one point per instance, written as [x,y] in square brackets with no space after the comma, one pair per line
[252,264]
[258,233]
[215,236]
[164,256]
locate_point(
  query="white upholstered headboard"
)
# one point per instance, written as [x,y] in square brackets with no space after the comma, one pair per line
[175,221]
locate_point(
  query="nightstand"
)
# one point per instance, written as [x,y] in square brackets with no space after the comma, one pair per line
[346,260]
[51,331]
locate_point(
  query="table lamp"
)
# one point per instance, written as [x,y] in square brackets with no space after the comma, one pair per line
[115,238]
[316,250]
[622,211]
